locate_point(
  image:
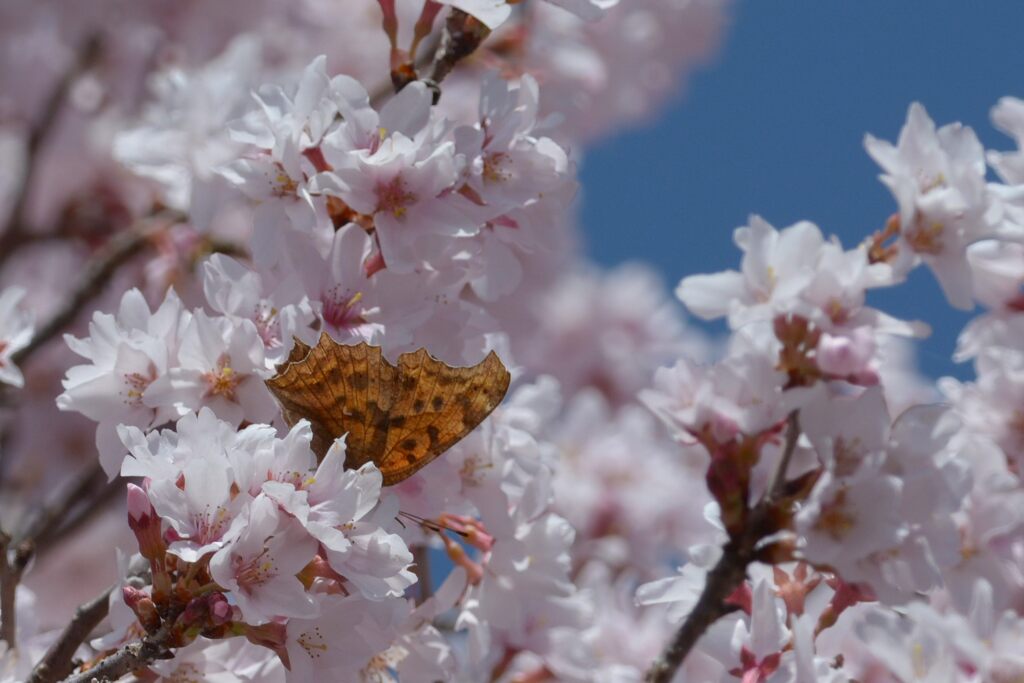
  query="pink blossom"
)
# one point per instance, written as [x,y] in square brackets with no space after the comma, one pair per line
[15,334]
[259,561]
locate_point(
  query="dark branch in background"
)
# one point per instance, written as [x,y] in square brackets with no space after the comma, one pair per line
[96,500]
[730,571]
[45,523]
[14,558]
[14,234]
[57,663]
[133,656]
[17,552]
[45,520]
[118,251]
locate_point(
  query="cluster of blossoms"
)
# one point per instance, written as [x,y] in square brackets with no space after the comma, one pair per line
[893,529]
[795,505]
[284,195]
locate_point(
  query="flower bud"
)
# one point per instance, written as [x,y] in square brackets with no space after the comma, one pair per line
[145,524]
[143,606]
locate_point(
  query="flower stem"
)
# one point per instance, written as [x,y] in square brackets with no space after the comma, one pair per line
[730,571]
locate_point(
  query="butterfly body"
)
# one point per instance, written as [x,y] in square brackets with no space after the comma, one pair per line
[400,417]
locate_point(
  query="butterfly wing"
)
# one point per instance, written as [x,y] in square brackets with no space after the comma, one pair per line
[340,389]
[435,407]
[399,418]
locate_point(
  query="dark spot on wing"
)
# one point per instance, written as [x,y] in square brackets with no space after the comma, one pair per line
[417,406]
[437,403]
[398,421]
[408,444]
[433,433]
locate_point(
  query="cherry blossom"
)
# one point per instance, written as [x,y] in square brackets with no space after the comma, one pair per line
[127,353]
[938,180]
[259,564]
[401,173]
[15,334]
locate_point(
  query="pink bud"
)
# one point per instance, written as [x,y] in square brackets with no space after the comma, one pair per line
[138,503]
[220,609]
[142,605]
[845,355]
[145,524]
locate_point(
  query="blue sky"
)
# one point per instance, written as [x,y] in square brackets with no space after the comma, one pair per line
[775,126]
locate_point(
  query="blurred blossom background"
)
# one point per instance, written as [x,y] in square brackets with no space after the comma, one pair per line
[685,118]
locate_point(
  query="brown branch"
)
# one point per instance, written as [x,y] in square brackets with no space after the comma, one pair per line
[729,572]
[121,249]
[778,479]
[57,662]
[14,559]
[462,35]
[16,552]
[46,519]
[14,234]
[98,500]
[132,656]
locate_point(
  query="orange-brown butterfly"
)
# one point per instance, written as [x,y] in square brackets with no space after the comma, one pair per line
[398,417]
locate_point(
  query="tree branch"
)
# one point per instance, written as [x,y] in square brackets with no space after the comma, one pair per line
[12,565]
[778,478]
[46,519]
[729,572]
[131,657]
[462,35]
[14,234]
[121,248]
[57,662]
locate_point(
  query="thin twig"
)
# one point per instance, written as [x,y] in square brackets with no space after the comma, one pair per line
[14,558]
[100,499]
[729,572]
[38,527]
[121,249]
[778,478]
[47,518]
[131,657]
[57,662]
[13,234]
[8,623]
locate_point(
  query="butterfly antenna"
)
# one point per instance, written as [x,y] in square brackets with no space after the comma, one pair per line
[429,524]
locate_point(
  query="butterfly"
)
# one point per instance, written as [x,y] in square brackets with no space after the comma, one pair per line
[399,417]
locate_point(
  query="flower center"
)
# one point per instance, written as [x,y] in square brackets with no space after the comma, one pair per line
[494,167]
[284,184]
[223,380]
[254,572]
[834,520]
[313,642]
[210,525]
[340,310]
[136,383]
[926,238]
[395,197]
